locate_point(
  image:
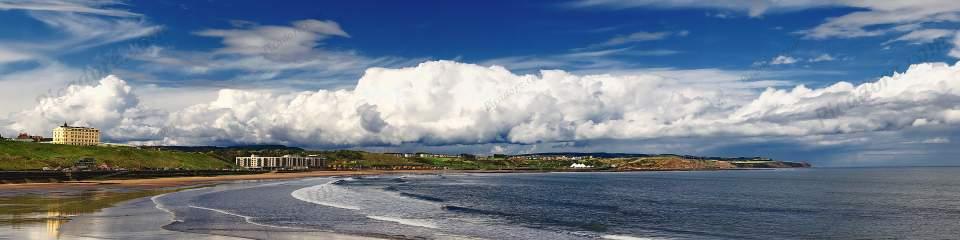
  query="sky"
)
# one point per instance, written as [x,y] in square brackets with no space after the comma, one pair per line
[833,82]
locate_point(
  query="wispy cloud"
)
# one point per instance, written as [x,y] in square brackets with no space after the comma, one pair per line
[95,7]
[639,37]
[822,58]
[922,36]
[254,55]
[752,8]
[879,18]
[86,23]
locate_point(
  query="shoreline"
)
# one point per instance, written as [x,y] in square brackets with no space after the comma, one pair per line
[172,182]
[161,186]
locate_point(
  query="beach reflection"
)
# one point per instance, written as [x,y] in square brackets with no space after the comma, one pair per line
[40,215]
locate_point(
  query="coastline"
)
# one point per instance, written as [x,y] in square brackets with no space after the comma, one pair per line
[174,182]
[132,210]
[139,217]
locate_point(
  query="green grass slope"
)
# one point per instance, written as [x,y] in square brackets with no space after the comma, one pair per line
[32,156]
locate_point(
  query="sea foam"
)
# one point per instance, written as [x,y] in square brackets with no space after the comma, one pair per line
[409,222]
[327,194]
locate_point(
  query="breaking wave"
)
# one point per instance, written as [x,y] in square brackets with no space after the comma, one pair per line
[408,222]
[327,194]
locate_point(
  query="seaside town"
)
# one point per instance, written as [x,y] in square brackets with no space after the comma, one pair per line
[83,150]
[433,120]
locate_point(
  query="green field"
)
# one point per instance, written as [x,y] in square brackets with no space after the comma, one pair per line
[32,156]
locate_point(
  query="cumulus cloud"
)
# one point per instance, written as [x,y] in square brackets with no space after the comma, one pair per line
[32,84]
[444,102]
[111,105]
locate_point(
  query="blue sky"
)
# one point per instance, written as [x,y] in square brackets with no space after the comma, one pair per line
[174,59]
[491,30]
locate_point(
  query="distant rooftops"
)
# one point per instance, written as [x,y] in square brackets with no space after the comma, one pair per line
[65,125]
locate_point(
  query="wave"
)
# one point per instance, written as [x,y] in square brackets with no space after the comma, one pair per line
[247,219]
[161,207]
[327,194]
[421,197]
[624,237]
[474,211]
[408,222]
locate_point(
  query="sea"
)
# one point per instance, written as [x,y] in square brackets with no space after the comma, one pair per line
[813,203]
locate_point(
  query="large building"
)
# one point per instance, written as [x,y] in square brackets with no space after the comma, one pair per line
[284,162]
[71,135]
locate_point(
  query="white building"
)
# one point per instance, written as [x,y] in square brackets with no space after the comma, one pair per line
[286,161]
[580,165]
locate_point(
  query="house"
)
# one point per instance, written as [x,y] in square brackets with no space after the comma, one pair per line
[24,137]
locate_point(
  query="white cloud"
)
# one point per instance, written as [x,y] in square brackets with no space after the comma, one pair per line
[85,23]
[90,31]
[32,84]
[258,56]
[939,140]
[822,58]
[783,60]
[580,60]
[955,52]
[440,103]
[10,55]
[302,37]
[872,18]
[923,36]
[641,37]
[111,105]
[883,17]
[753,8]
[95,7]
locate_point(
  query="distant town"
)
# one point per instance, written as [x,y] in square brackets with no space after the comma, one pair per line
[79,149]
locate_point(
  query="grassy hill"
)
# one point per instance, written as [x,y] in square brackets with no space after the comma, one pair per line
[31,156]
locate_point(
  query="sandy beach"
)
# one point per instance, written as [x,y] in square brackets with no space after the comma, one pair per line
[102,211]
[152,183]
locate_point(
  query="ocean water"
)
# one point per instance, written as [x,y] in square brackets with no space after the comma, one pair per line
[839,203]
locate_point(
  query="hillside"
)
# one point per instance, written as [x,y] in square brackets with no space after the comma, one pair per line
[672,162]
[666,163]
[32,156]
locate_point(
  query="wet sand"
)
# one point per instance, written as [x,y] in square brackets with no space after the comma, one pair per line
[141,219]
[153,183]
[123,209]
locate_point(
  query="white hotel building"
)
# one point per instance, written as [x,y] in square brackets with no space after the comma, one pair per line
[286,162]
